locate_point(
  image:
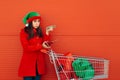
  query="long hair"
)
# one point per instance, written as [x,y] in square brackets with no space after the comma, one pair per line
[29,31]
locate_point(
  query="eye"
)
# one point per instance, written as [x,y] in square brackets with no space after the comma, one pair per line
[38,20]
[34,20]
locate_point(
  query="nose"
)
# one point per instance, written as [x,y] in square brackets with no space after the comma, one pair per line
[37,23]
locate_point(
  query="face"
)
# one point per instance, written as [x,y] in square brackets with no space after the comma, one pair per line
[36,23]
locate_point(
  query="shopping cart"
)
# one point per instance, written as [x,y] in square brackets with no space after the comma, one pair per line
[65,71]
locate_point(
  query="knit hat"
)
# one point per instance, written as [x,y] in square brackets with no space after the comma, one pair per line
[31,16]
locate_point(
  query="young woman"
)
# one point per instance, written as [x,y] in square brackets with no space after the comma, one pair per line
[33,41]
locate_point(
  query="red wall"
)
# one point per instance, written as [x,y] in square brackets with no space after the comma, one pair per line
[84,27]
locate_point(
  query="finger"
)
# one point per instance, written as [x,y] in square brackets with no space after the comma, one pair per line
[52,26]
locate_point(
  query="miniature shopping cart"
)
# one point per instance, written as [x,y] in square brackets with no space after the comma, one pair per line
[65,71]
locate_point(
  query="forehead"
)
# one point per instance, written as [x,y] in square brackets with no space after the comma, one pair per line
[36,20]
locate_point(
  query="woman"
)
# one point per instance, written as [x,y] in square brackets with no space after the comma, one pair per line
[33,41]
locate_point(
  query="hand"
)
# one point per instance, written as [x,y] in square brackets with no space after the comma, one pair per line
[50,28]
[46,45]
[44,51]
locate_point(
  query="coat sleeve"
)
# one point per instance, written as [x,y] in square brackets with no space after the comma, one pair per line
[45,36]
[25,43]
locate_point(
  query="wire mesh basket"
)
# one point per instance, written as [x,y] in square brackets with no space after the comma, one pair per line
[79,67]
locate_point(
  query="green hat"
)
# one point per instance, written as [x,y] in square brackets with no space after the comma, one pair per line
[31,16]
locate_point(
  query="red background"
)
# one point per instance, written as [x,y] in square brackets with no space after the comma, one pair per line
[84,27]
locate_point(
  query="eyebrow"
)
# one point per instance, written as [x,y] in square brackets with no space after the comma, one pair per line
[36,20]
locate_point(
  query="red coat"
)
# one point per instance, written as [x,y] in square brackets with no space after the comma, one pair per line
[31,55]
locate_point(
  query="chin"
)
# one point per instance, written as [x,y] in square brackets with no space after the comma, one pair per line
[36,27]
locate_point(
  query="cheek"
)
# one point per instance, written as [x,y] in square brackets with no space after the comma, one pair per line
[39,23]
[33,23]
